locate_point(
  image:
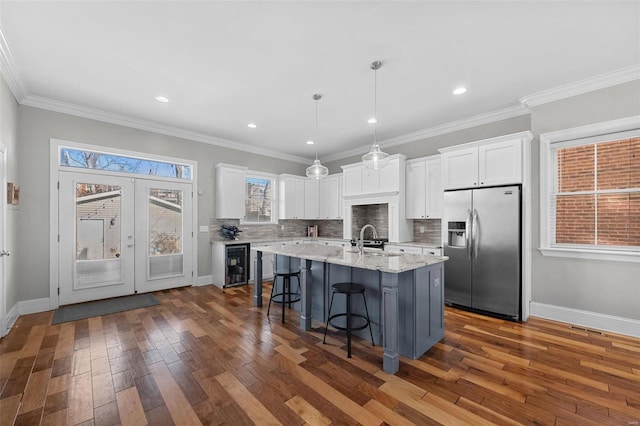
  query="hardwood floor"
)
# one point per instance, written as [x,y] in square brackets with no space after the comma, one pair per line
[205,356]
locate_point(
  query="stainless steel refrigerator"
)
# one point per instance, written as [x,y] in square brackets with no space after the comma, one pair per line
[483,243]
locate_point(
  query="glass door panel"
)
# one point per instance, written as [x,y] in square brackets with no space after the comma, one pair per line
[163,235]
[96,247]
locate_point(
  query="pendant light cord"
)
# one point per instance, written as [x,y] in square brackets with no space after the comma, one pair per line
[317,133]
[375,105]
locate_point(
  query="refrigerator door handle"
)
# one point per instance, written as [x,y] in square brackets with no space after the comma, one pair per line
[474,226]
[468,234]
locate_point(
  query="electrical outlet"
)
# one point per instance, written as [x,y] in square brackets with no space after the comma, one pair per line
[436,282]
[422,229]
[282,227]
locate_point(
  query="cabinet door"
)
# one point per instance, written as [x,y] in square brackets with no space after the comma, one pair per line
[324,209]
[291,198]
[434,193]
[500,163]
[416,180]
[460,168]
[336,198]
[230,193]
[300,198]
[389,177]
[352,181]
[311,199]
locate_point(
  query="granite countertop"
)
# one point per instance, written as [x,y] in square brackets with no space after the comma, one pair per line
[372,259]
[276,239]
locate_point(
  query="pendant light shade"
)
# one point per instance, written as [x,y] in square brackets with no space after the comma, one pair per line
[376,158]
[317,170]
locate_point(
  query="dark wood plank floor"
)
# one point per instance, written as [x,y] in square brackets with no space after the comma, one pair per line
[205,356]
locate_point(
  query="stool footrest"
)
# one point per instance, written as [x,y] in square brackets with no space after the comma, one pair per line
[355,318]
[280,298]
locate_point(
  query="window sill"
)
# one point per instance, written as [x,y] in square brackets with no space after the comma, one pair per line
[618,256]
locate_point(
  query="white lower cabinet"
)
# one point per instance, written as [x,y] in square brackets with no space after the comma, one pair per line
[412,250]
[403,249]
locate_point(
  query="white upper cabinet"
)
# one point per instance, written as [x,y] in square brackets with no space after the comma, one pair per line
[495,161]
[331,197]
[359,180]
[311,199]
[230,191]
[424,188]
[291,197]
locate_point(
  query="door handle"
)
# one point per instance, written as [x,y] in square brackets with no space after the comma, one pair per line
[467,234]
[129,245]
[5,253]
[475,232]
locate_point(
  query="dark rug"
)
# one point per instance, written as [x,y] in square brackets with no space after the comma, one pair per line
[103,307]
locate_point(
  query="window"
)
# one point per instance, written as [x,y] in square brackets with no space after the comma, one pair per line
[259,199]
[590,191]
[86,159]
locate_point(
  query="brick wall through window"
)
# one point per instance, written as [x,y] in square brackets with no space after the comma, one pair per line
[597,199]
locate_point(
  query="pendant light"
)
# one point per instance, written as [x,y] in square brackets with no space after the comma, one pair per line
[317,170]
[375,158]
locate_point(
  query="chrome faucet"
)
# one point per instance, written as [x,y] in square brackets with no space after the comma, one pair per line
[361,241]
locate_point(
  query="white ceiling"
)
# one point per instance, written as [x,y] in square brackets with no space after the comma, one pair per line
[225,64]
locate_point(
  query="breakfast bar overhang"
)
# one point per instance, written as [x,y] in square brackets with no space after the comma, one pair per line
[404,291]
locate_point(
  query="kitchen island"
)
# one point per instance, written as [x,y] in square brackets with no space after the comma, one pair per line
[405,293]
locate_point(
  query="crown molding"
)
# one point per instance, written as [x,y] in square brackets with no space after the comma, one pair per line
[590,84]
[476,120]
[10,71]
[151,126]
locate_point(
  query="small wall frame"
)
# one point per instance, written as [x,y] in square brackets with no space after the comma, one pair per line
[13,194]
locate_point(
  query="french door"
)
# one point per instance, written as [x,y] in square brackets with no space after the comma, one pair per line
[122,235]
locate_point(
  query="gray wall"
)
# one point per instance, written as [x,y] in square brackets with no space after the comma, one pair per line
[611,288]
[37,127]
[8,136]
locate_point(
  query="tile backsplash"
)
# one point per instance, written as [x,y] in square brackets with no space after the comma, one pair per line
[326,228]
[374,214]
[432,231]
[284,229]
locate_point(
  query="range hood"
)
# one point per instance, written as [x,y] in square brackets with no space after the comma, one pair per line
[362,186]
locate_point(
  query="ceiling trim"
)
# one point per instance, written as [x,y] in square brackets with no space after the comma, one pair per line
[466,123]
[150,126]
[590,84]
[10,70]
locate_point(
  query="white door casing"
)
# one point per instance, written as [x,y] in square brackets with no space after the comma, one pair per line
[3,247]
[189,220]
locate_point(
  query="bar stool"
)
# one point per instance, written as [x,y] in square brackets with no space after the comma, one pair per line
[286,296]
[362,321]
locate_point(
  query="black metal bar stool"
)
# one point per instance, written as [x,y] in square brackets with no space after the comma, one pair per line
[361,321]
[286,296]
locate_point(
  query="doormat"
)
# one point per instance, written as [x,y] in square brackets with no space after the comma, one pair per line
[103,307]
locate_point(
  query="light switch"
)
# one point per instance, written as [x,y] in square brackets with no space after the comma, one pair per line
[422,229]
[204,228]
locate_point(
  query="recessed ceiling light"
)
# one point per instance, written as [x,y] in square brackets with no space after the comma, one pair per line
[459,90]
[162,99]
[251,125]
[372,120]
[310,142]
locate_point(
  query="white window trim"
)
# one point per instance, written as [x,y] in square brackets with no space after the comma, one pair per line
[547,140]
[274,199]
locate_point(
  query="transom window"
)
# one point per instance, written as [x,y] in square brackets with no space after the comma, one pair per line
[87,159]
[592,197]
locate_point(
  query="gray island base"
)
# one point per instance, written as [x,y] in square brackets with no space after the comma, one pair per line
[405,293]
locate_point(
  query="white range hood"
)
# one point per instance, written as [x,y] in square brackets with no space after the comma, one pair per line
[362,186]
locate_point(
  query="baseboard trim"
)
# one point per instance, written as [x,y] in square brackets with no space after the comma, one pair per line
[12,317]
[595,320]
[33,306]
[204,280]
